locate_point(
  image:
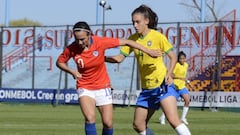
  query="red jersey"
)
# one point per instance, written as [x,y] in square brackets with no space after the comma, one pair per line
[90,63]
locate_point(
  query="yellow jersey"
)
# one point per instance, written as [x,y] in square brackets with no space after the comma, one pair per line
[152,70]
[180,71]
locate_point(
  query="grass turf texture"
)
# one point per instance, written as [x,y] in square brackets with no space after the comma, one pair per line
[30,119]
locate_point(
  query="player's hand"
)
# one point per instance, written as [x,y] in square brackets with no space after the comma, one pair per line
[168,80]
[77,75]
[155,53]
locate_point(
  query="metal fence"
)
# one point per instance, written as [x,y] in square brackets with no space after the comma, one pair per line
[28,55]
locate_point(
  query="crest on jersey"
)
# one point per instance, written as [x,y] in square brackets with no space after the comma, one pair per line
[95,53]
[149,43]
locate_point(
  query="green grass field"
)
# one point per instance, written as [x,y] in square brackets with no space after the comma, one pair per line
[30,119]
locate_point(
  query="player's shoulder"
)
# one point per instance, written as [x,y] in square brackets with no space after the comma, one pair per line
[96,38]
[156,33]
[177,64]
[72,45]
[134,37]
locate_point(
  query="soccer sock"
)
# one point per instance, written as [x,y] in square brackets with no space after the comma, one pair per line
[90,129]
[162,116]
[182,129]
[107,131]
[143,132]
[184,112]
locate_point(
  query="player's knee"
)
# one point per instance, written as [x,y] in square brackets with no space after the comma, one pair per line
[90,119]
[187,102]
[174,121]
[107,124]
[137,126]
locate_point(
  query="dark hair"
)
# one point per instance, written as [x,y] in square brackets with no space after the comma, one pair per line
[148,13]
[181,53]
[81,25]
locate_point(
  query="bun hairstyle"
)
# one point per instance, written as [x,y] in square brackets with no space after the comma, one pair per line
[147,12]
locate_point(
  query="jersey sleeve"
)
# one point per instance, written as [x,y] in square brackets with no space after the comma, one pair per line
[165,44]
[108,43]
[65,55]
[126,50]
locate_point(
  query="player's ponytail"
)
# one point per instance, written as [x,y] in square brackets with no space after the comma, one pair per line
[148,13]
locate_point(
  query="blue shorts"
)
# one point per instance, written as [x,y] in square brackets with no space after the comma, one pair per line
[182,92]
[150,98]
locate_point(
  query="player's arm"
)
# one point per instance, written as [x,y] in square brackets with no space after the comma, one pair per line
[120,57]
[150,52]
[181,78]
[63,66]
[173,60]
[115,59]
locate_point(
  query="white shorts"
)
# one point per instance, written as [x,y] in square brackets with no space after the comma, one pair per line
[101,96]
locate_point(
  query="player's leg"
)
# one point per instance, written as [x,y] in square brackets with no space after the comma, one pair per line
[87,105]
[105,107]
[169,107]
[185,95]
[106,112]
[141,118]
[149,115]
[146,107]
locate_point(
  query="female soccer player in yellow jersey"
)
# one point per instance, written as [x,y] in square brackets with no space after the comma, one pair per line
[156,81]
[180,80]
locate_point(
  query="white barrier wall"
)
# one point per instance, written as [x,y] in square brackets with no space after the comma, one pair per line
[120,97]
[198,99]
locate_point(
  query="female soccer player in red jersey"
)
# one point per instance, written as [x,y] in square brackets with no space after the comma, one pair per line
[156,81]
[92,81]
